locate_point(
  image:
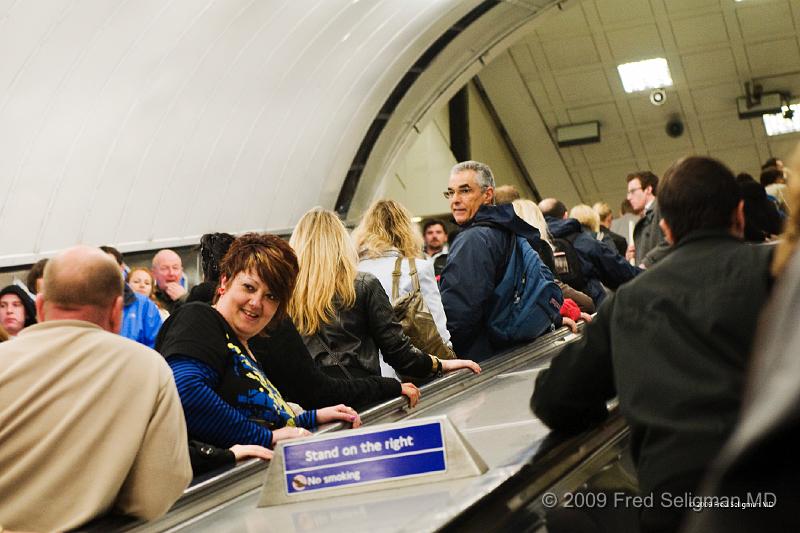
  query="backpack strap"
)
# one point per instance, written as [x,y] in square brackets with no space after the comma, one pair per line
[509,250]
[412,271]
[396,278]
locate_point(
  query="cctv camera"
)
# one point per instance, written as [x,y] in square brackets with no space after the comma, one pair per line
[675,127]
[658,96]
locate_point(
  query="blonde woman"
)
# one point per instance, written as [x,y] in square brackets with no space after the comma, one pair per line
[586,216]
[606,216]
[528,211]
[384,234]
[344,316]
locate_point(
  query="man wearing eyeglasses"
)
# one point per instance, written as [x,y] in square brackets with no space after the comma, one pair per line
[649,245]
[477,259]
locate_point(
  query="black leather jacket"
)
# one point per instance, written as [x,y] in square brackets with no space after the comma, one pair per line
[355,335]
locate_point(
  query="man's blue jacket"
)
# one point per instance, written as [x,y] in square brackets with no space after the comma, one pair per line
[600,263]
[475,265]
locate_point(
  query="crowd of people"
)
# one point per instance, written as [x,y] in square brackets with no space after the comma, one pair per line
[158,381]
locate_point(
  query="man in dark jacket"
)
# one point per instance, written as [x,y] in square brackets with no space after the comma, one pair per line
[649,245]
[478,257]
[673,344]
[601,265]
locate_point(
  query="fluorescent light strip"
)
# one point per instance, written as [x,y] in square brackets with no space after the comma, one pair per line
[777,125]
[643,75]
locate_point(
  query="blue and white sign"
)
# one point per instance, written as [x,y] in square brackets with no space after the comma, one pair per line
[367,457]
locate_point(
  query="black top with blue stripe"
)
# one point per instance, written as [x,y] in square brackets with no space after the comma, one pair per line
[227,399]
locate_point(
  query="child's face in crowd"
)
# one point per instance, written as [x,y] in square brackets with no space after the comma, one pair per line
[141,282]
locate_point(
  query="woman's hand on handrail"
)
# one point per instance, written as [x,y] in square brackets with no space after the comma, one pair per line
[337,413]
[248,451]
[289,432]
[451,365]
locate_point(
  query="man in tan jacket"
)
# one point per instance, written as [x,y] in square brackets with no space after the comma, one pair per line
[89,421]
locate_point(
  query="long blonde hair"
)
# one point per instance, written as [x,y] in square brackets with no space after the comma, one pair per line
[586,216]
[386,225]
[328,270]
[528,211]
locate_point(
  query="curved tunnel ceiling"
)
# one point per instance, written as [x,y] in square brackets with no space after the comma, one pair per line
[145,124]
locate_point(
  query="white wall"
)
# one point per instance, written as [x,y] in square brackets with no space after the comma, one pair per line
[421,175]
[146,124]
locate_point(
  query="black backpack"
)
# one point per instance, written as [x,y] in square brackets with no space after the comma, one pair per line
[568,262]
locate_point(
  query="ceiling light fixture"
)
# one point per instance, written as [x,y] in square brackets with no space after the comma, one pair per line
[644,75]
[787,121]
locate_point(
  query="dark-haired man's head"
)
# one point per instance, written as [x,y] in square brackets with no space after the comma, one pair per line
[772,162]
[554,208]
[435,235]
[744,177]
[213,247]
[35,275]
[772,175]
[642,186]
[699,193]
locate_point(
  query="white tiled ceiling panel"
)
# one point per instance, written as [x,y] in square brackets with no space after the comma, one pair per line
[712,47]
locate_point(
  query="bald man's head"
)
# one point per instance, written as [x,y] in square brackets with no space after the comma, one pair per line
[82,276]
[167,268]
[552,207]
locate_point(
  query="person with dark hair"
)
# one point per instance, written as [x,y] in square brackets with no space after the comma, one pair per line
[772,162]
[744,177]
[600,264]
[227,397]
[673,344]
[34,279]
[434,233]
[141,319]
[754,463]
[649,245]
[213,247]
[761,216]
[774,181]
[17,310]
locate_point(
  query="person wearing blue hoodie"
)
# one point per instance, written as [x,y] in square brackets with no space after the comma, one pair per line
[601,265]
[140,317]
[478,257]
